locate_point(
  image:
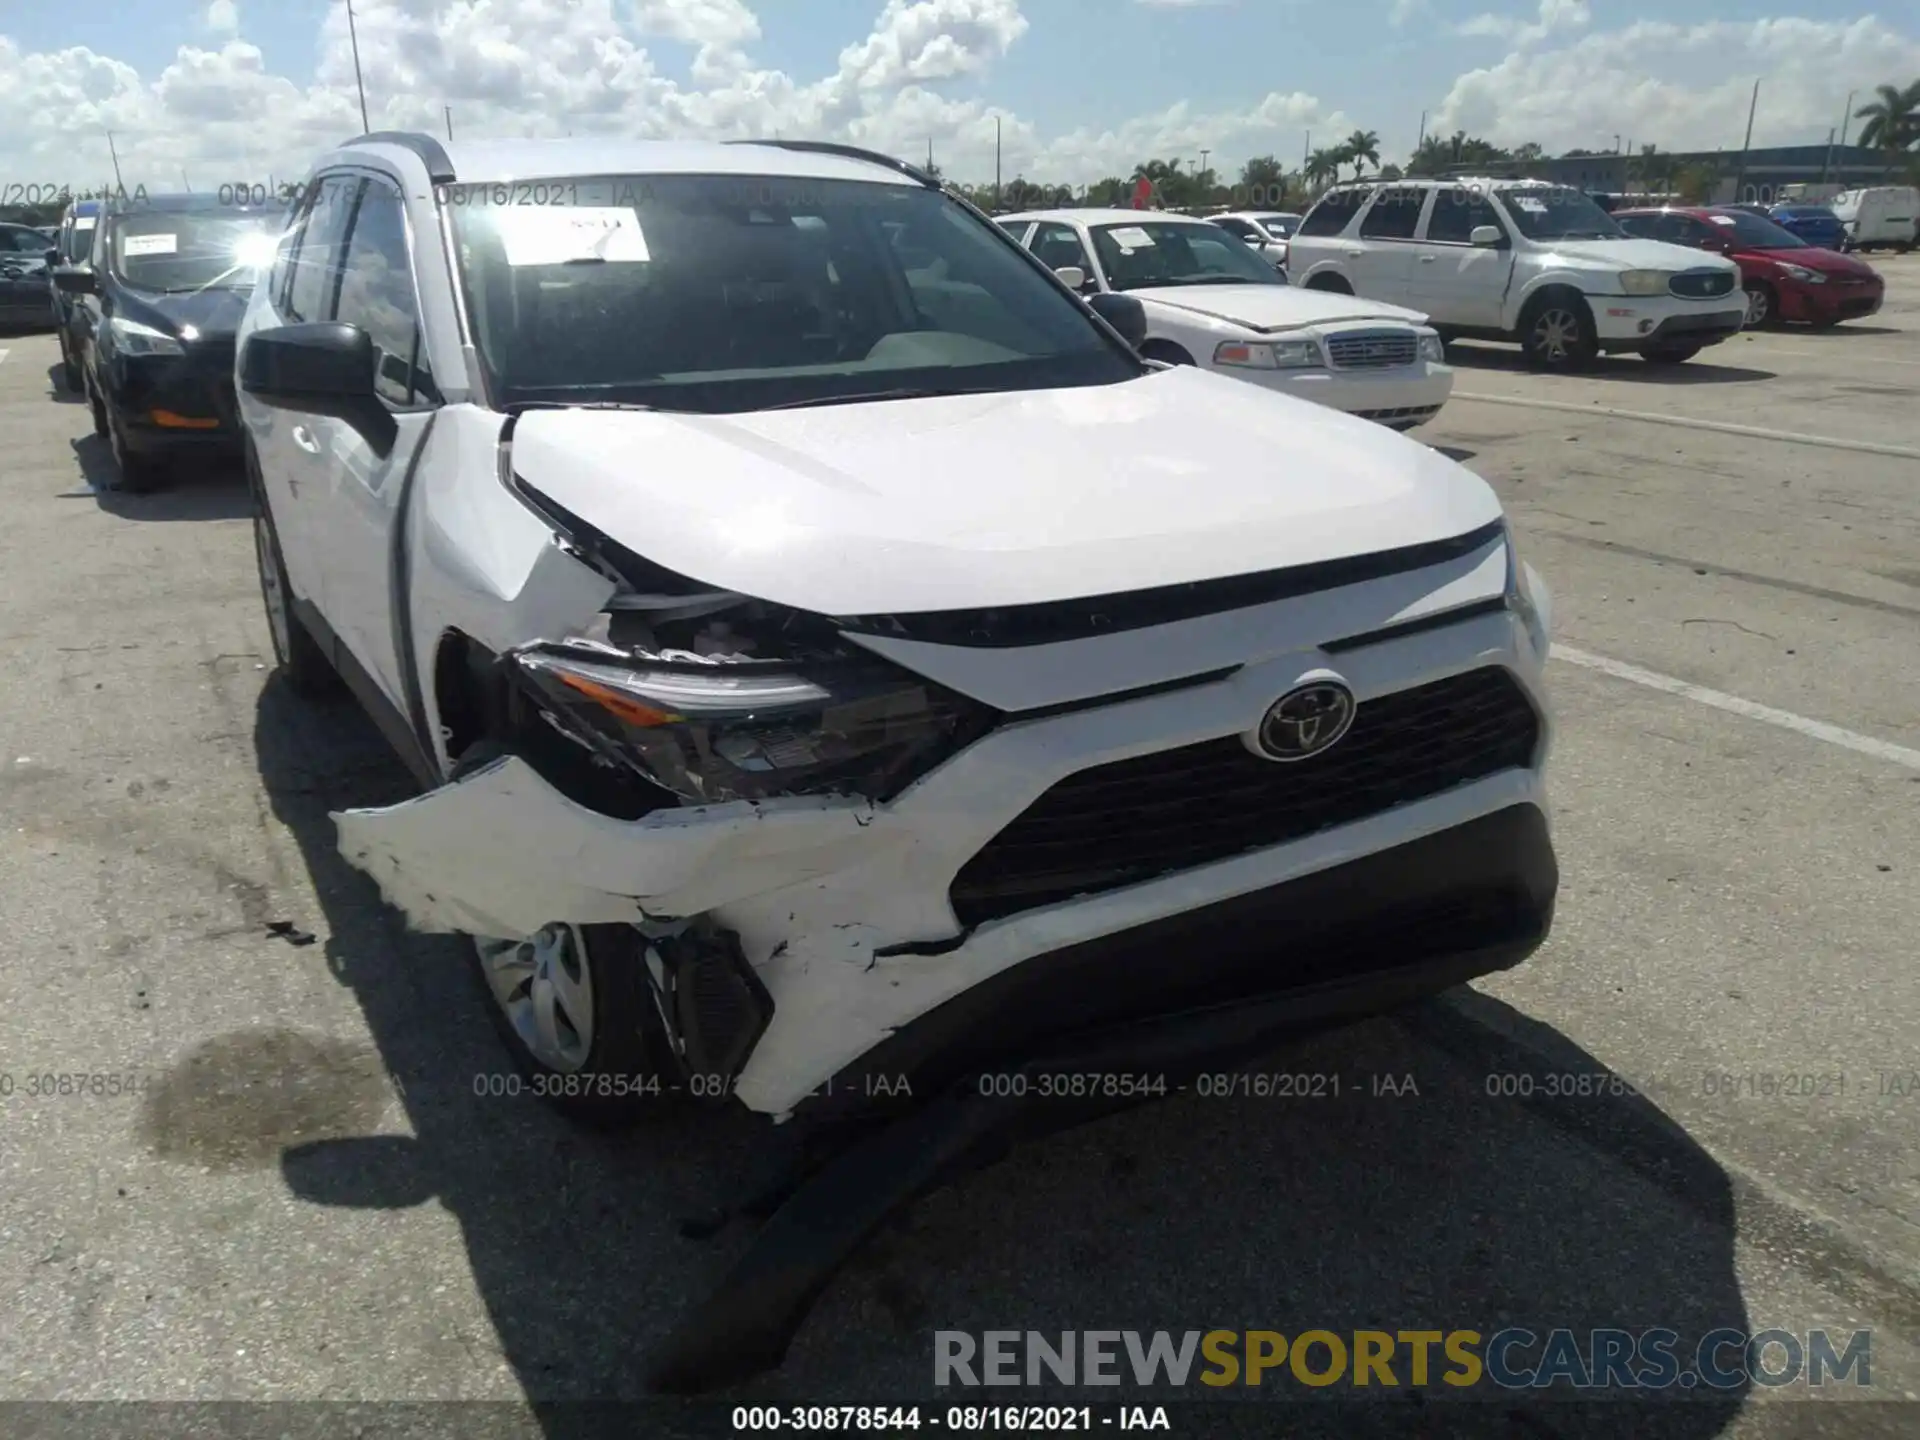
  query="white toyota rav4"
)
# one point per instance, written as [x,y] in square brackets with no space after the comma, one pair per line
[1518,260]
[867,692]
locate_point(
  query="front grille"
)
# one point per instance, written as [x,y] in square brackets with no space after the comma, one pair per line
[1701,284]
[1130,821]
[1373,350]
[1400,414]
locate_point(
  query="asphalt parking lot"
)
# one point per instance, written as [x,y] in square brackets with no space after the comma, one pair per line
[308,1200]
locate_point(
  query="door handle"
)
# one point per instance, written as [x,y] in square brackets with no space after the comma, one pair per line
[303,437]
[1357,252]
[1428,259]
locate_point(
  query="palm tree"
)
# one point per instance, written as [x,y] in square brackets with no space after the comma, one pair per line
[1324,165]
[1362,148]
[1893,121]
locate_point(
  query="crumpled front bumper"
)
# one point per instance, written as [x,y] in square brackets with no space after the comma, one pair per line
[843,908]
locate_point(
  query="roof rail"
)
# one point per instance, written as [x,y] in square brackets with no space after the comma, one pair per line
[432,155]
[850,152]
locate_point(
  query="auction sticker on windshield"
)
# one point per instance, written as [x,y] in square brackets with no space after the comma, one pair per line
[150,245]
[1132,238]
[564,235]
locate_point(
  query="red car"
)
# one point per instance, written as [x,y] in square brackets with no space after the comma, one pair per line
[1785,277]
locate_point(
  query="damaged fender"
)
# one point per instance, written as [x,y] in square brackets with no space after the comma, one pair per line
[500,853]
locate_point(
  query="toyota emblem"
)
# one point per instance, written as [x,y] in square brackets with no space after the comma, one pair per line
[1306,721]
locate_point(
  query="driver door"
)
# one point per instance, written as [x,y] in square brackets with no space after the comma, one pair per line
[355,520]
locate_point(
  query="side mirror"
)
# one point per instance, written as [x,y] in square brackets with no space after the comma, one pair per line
[72,280]
[1123,313]
[1486,236]
[53,257]
[1072,276]
[324,368]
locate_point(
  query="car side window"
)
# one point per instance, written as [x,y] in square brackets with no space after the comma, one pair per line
[1641,227]
[1056,246]
[280,277]
[1395,214]
[1241,229]
[1015,228]
[1457,213]
[1334,212]
[315,256]
[376,293]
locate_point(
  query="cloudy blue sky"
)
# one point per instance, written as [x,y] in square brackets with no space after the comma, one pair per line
[1081,88]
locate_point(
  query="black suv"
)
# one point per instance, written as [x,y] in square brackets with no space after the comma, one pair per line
[167,282]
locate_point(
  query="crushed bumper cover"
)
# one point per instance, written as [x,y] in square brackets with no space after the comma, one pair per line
[1192,992]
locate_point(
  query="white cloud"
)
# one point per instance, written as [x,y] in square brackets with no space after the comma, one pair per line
[1553,18]
[223,16]
[544,67]
[1682,87]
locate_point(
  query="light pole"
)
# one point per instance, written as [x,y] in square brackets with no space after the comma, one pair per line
[353,39]
[118,183]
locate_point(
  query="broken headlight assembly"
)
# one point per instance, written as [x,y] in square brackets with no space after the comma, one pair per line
[712,729]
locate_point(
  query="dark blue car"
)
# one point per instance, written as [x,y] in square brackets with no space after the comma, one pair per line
[1815,224]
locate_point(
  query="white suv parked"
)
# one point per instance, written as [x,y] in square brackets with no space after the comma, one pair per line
[1213,301]
[1518,260]
[834,679]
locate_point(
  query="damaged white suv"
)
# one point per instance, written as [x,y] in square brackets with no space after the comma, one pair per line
[840,668]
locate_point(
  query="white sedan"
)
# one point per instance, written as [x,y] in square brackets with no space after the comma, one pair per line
[1212,302]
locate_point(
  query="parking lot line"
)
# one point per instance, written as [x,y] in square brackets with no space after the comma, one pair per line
[1734,705]
[1687,422]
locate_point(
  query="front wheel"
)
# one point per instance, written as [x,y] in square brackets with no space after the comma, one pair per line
[1558,335]
[302,664]
[575,1006]
[1763,309]
[138,473]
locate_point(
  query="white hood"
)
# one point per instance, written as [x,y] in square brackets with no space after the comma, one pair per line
[1617,255]
[1003,499]
[1269,308]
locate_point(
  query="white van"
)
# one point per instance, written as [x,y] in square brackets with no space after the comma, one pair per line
[1883,217]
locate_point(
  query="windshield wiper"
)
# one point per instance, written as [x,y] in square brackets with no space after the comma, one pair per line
[1213,280]
[862,396]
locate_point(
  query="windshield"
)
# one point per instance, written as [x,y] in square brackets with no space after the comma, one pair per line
[1753,232]
[194,249]
[1160,252]
[726,293]
[1557,212]
[1278,226]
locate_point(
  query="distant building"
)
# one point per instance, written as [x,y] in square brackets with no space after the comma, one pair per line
[1767,169]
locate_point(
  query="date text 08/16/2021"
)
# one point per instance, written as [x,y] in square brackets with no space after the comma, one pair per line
[904,1419]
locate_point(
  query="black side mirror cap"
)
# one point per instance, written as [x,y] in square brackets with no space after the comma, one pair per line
[72,280]
[321,368]
[1124,313]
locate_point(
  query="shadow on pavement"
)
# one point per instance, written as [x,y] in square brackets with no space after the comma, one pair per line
[1465,355]
[57,388]
[1450,1208]
[194,489]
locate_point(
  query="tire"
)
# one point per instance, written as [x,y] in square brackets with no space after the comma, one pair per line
[1669,354]
[1328,281]
[613,1076]
[1556,333]
[1165,351]
[138,474]
[93,399]
[1763,306]
[303,666]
